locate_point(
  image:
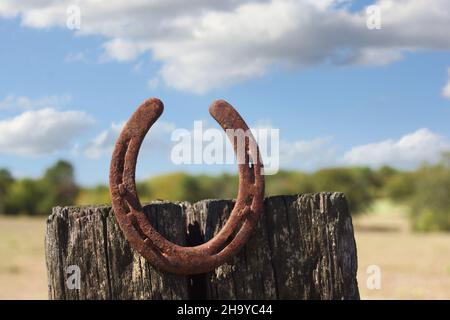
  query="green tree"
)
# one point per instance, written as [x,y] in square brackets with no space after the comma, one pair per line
[430,203]
[358,184]
[401,186]
[24,197]
[289,182]
[6,180]
[59,185]
[92,196]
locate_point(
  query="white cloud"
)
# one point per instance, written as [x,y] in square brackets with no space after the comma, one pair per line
[407,152]
[121,50]
[21,102]
[446,90]
[103,144]
[299,154]
[210,44]
[307,154]
[302,154]
[43,131]
[153,83]
[76,57]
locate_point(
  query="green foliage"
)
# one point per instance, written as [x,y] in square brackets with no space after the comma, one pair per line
[38,196]
[95,195]
[24,197]
[286,182]
[175,186]
[384,176]
[401,186]
[358,184]
[6,180]
[59,185]
[426,191]
[430,202]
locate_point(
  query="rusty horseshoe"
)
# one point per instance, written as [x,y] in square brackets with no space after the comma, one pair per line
[160,252]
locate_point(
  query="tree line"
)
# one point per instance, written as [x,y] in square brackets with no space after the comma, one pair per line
[426,191]
[37,196]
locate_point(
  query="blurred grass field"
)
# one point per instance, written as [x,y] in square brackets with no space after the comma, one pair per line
[413,265]
[22,258]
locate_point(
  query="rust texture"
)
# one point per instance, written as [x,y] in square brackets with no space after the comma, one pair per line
[160,252]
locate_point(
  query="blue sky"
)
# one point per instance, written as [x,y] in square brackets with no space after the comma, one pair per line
[330,111]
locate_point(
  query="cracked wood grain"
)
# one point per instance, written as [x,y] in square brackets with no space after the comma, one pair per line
[303,248]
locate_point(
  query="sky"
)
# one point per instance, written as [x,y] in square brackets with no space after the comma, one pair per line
[344,85]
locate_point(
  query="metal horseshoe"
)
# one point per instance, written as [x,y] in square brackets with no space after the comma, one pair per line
[160,252]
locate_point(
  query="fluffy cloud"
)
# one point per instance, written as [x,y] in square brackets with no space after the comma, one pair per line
[408,152]
[298,154]
[209,44]
[14,102]
[103,144]
[446,90]
[40,132]
[307,154]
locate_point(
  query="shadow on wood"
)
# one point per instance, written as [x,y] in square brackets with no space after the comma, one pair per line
[303,248]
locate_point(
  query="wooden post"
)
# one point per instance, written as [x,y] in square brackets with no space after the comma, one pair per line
[303,248]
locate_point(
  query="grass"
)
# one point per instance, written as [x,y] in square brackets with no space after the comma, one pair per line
[413,266]
[22,258]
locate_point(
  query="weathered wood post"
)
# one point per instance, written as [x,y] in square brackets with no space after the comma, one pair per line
[303,248]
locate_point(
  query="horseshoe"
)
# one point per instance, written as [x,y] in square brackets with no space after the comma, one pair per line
[161,253]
